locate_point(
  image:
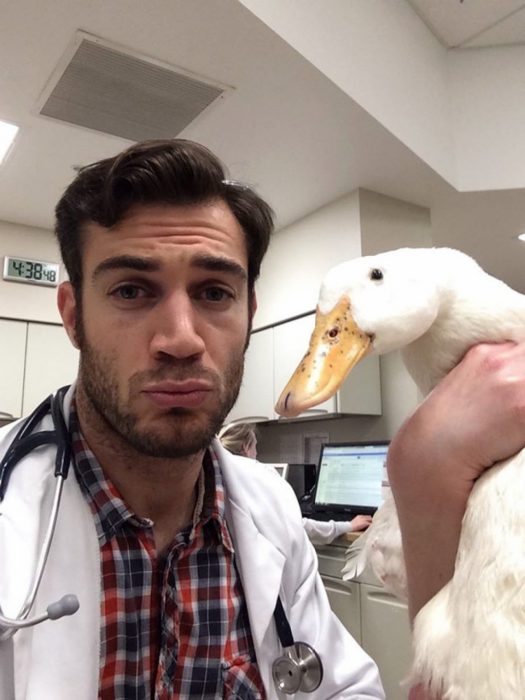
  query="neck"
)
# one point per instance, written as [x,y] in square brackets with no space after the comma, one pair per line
[162,490]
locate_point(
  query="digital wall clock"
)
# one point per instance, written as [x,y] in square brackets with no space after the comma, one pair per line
[31,271]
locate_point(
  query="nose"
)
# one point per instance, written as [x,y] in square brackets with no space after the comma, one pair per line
[176,333]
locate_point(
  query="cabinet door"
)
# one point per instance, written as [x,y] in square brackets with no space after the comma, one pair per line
[51,362]
[291,342]
[344,601]
[385,635]
[256,394]
[361,391]
[12,360]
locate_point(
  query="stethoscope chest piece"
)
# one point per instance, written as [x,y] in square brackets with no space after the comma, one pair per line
[299,669]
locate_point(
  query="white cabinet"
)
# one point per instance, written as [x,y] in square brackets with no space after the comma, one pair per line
[256,398]
[12,360]
[374,618]
[51,362]
[344,601]
[360,393]
[385,635]
[35,360]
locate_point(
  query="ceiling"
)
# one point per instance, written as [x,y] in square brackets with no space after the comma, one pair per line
[473,23]
[283,126]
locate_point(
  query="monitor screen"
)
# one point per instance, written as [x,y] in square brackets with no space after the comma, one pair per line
[351,475]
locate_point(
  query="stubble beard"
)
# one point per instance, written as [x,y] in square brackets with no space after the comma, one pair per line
[181,432]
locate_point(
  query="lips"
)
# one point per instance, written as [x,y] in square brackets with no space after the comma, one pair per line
[178,394]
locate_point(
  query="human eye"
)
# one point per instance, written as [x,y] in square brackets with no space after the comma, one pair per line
[216,294]
[129,292]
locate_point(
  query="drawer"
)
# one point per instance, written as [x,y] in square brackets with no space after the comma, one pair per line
[331,561]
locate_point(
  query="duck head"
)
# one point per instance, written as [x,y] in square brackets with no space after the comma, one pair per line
[372,304]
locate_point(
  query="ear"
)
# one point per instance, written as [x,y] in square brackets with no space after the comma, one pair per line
[68,310]
[253,305]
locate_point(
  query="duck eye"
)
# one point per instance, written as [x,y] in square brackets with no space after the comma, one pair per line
[333,332]
[376,274]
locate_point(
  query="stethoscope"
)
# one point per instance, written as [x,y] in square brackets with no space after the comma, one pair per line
[298,669]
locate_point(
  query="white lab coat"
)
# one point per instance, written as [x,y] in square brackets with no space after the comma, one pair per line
[325,531]
[59,660]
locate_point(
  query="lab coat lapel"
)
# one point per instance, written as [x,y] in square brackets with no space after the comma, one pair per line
[260,566]
[259,561]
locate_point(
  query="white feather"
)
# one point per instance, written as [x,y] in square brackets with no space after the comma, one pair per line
[434,304]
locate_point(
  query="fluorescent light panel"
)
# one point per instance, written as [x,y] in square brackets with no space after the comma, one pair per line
[521,237]
[7,135]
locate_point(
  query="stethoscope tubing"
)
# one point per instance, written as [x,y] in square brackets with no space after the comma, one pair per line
[42,561]
[299,656]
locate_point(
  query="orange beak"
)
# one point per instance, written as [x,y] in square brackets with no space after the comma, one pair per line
[336,345]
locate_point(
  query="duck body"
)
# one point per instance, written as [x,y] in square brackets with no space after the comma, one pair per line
[433,305]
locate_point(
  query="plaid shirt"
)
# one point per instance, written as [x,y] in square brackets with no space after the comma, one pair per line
[174,626]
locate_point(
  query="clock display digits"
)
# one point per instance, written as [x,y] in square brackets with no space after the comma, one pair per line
[31,271]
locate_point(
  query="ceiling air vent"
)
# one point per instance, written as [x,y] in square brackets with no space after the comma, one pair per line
[108,89]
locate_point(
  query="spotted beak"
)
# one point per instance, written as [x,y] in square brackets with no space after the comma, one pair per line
[336,345]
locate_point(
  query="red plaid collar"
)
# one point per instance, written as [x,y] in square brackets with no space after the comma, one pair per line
[110,510]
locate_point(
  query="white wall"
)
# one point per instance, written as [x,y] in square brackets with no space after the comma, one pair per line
[383,56]
[28,301]
[461,111]
[387,223]
[301,254]
[488,98]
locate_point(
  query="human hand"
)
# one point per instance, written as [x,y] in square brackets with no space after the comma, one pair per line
[473,418]
[418,693]
[360,522]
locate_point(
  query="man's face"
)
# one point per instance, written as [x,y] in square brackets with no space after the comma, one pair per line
[164,324]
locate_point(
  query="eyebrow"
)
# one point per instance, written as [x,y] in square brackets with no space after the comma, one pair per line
[211,263]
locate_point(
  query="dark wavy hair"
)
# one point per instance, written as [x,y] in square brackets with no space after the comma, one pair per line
[174,171]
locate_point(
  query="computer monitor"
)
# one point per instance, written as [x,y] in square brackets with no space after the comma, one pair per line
[301,478]
[281,468]
[350,478]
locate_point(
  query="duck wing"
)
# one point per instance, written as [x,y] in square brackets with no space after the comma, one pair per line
[380,548]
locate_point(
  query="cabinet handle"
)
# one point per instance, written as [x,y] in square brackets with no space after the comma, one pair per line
[338,585]
[5,414]
[383,596]
[305,413]
[250,419]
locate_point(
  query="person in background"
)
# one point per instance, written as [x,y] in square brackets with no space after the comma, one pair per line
[177,555]
[241,439]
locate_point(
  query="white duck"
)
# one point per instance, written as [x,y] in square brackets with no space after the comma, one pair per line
[433,304]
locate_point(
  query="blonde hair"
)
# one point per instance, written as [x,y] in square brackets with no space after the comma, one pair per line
[236,436]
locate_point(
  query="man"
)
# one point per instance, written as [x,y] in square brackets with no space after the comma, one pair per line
[474,418]
[176,552]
